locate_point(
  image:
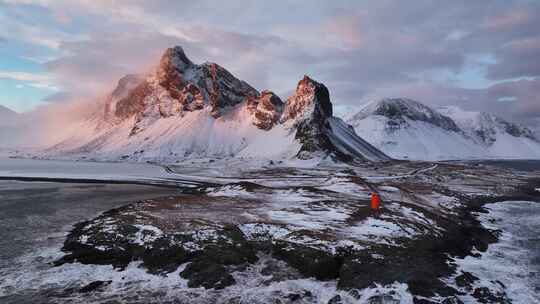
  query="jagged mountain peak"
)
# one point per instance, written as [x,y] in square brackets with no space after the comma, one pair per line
[310,97]
[266,109]
[175,57]
[310,111]
[176,87]
[126,84]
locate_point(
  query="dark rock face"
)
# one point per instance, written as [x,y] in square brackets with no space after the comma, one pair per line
[194,86]
[484,295]
[224,90]
[309,261]
[125,85]
[311,98]
[124,88]
[266,109]
[310,112]
[207,275]
[396,109]
[515,129]
[133,103]
[465,280]
[94,286]
[115,239]
[309,108]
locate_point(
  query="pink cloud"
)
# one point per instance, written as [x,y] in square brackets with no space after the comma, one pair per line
[507,21]
[347,29]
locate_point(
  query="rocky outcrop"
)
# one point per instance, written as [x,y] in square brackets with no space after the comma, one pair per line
[134,103]
[178,85]
[266,109]
[309,110]
[310,98]
[246,235]
[126,85]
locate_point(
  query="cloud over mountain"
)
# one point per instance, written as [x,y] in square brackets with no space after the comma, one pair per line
[472,53]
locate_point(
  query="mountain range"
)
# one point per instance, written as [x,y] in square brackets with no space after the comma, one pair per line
[407,129]
[182,109]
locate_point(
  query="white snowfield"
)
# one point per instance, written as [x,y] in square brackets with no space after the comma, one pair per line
[473,135]
[419,141]
[197,134]
[88,171]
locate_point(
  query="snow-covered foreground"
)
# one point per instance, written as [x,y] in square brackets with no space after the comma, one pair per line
[256,232]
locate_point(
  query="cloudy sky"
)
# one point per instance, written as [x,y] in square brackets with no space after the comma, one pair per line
[480,55]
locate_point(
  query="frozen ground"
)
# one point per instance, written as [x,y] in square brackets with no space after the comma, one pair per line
[43,170]
[247,231]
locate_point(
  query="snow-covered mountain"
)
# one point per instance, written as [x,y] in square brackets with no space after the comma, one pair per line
[501,138]
[7,116]
[407,129]
[183,109]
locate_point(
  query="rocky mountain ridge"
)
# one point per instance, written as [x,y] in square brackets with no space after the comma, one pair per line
[183,109]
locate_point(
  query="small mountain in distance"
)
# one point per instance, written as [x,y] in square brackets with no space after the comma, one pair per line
[8,126]
[486,126]
[7,116]
[188,110]
[407,129]
[503,139]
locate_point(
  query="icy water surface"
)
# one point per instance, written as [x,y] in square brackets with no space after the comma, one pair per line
[34,220]
[514,261]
